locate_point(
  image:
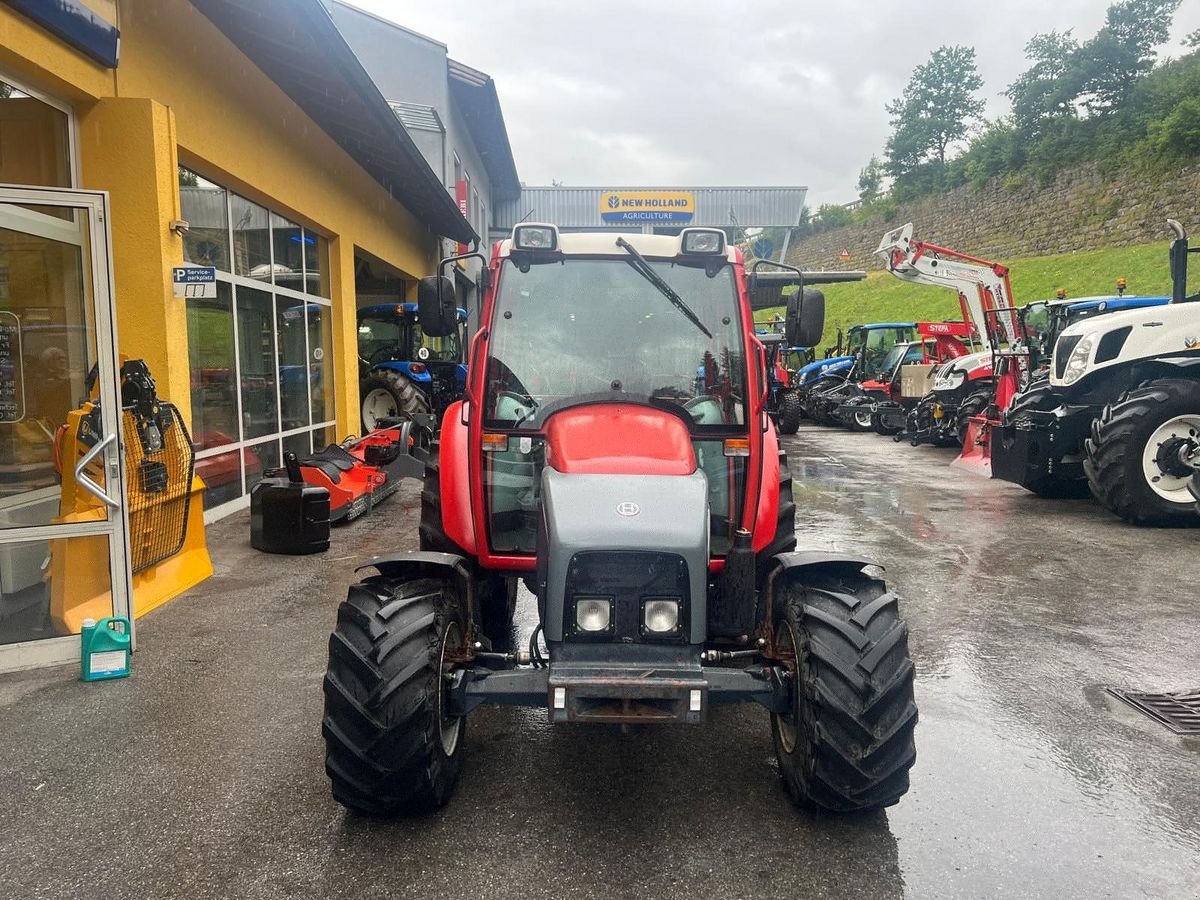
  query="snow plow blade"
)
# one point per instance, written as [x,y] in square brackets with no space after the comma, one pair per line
[976,455]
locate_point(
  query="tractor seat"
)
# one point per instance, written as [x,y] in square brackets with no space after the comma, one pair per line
[333,461]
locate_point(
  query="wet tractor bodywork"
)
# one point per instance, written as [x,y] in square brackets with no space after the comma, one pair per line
[614,453]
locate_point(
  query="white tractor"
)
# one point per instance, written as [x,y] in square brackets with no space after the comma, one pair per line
[1135,377]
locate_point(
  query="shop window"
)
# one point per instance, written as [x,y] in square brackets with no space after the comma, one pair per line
[256,360]
[316,264]
[259,459]
[288,241]
[251,239]
[320,362]
[300,444]
[35,144]
[294,376]
[204,206]
[210,357]
[261,351]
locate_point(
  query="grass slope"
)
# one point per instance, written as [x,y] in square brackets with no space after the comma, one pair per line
[885,298]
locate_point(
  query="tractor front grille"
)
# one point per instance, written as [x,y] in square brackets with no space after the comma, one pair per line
[159,490]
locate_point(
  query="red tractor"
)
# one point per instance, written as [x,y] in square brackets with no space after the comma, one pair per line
[614,453]
[883,404]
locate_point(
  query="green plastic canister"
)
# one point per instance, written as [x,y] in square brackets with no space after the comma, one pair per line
[104,651]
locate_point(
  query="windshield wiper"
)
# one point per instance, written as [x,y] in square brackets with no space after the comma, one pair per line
[643,268]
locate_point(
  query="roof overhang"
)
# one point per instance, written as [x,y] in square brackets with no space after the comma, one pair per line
[296,44]
[474,93]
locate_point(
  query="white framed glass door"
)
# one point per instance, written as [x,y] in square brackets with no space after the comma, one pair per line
[64,545]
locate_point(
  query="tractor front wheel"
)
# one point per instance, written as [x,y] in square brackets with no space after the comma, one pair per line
[884,426]
[1142,452]
[789,412]
[386,393]
[391,745]
[846,744]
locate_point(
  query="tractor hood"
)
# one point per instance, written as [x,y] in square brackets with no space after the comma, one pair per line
[954,374]
[820,367]
[1093,345]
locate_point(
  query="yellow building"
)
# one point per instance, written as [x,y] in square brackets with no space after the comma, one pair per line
[238,134]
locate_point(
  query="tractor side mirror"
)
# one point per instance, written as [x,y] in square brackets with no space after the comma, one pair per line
[437,306]
[1179,267]
[805,318]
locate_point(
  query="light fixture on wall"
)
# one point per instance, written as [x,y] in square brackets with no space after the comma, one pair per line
[178,226]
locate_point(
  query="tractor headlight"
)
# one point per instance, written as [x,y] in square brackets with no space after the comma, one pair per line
[535,237]
[593,615]
[660,615]
[1077,363]
[702,240]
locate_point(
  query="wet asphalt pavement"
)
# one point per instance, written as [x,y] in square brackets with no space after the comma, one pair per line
[201,776]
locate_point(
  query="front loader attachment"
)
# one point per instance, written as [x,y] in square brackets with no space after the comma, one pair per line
[976,455]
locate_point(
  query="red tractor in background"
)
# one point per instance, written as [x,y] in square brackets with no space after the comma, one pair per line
[883,404]
[614,453]
[969,391]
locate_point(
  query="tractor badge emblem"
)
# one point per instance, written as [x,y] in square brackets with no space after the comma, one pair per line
[1191,343]
[628,508]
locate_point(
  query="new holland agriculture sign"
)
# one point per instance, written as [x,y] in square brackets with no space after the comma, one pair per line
[647,206]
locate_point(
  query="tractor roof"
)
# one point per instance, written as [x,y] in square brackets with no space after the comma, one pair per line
[874,325]
[604,243]
[386,310]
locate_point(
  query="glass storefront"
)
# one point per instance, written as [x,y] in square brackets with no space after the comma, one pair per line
[261,352]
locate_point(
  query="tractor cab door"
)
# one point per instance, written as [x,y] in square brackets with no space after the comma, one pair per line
[64,544]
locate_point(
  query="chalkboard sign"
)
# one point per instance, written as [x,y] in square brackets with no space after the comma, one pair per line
[12,379]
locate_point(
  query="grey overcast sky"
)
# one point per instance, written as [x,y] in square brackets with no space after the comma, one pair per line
[709,92]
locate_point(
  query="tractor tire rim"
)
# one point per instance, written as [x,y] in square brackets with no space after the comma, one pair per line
[378,404]
[785,723]
[1165,458]
[449,727]
[863,419]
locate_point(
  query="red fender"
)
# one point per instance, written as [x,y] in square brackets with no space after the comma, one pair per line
[455,479]
[767,515]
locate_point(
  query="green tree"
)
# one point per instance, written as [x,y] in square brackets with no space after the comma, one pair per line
[1105,68]
[1193,39]
[936,110]
[870,180]
[1041,91]
[830,215]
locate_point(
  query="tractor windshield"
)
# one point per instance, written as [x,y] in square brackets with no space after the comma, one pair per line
[437,349]
[586,327]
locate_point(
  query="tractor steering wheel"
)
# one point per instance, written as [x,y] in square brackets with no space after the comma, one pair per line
[381,355]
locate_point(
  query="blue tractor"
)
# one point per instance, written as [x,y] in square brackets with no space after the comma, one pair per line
[402,372]
[856,356]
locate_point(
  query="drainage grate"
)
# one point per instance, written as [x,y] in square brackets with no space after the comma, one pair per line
[1180,711]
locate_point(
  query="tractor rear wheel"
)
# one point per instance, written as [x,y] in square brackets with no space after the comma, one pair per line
[387,393]
[974,404]
[860,419]
[1040,396]
[789,412]
[847,743]
[497,595]
[1138,459]
[390,744]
